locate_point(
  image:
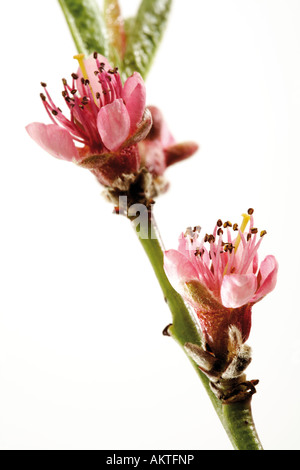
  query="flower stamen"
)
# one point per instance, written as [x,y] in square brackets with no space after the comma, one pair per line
[80,58]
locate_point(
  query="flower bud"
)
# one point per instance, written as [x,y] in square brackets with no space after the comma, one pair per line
[160,150]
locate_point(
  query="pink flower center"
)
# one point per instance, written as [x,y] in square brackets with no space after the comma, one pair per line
[84,103]
[235,255]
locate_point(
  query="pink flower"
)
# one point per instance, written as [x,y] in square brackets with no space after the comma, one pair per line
[159,150]
[106,120]
[223,280]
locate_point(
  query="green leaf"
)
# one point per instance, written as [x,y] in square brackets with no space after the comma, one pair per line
[145,34]
[86,25]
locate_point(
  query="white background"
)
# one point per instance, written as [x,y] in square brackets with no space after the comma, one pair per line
[83,362]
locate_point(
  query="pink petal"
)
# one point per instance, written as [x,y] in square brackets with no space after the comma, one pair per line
[267,277]
[183,245]
[238,289]
[54,139]
[134,96]
[153,157]
[91,67]
[113,123]
[255,263]
[178,269]
[160,130]
[166,137]
[141,130]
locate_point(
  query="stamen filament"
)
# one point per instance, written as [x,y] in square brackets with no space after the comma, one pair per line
[246,218]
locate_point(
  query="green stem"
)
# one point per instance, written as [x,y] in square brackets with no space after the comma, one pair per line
[241,428]
[236,417]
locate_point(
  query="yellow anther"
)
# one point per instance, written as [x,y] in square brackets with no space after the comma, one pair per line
[80,58]
[246,218]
